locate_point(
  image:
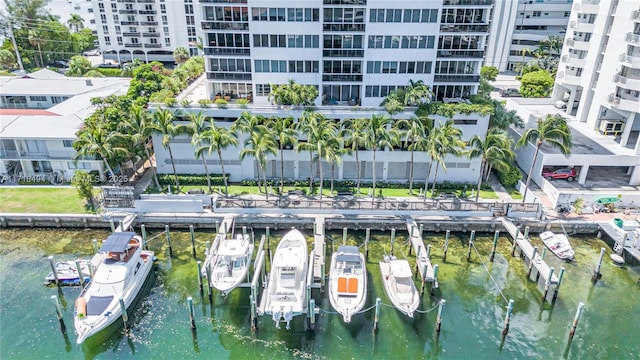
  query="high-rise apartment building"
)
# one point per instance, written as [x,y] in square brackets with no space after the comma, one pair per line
[599,72]
[518,26]
[149,30]
[354,51]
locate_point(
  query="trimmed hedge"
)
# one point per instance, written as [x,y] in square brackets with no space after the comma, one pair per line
[191,179]
[510,177]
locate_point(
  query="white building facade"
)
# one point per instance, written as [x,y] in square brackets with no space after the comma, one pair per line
[518,26]
[149,30]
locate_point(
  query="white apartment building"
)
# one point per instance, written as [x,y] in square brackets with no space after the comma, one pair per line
[518,26]
[149,30]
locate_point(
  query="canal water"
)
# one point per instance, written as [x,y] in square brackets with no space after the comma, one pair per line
[471,327]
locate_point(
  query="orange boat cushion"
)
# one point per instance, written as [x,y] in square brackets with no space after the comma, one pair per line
[342,284]
[353,285]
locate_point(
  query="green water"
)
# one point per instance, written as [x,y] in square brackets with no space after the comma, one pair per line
[471,327]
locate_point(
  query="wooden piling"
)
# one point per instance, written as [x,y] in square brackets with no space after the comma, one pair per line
[91,271]
[56,301]
[253,315]
[526,232]
[199,266]
[446,245]
[210,288]
[376,317]
[411,232]
[217,227]
[367,235]
[112,226]
[143,231]
[439,317]
[193,241]
[428,251]
[207,247]
[312,314]
[344,236]
[192,316]
[547,284]
[267,233]
[596,273]
[435,279]
[555,291]
[496,235]
[507,318]
[532,260]
[515,241]
[421,230]
[125,316]
[424,279]
[166,230]
[393,239]
[471,238]
[244,231]
[576,318]
[80,274]
[53,269]
[95,245]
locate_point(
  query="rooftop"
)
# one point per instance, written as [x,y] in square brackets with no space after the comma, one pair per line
[44,82]
[39,127]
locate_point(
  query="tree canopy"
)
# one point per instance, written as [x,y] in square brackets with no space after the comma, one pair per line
[536,84]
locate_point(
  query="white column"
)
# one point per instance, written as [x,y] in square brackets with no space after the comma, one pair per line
[635,176]
[582,177]
[627,129]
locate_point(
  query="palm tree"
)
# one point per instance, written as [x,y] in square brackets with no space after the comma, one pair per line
[78,66]
[354,135]
[524,51]
[259,145]
[248,122]
[197,125]
[414,131]
[7,59]
[138,127]
[163,123]
[96,140]
[75,22]
[323,138]
[555,131]
[417,93]
[216,139]
[334,152]
[180,55]
[379,136]
[284,133]
[445,139]
[35,39]
[306,125]
[494,151]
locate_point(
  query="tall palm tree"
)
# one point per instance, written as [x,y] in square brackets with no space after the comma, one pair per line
[36,39]
[75,22]
[138,127]
[323,138]
[180,55]
[163,123]
[248,122]
[284,133]
[259,145]
[417,93]
[354,134]
[334,152]
[414,131]
[524,52]
[494,150]
[553,130]
[96,140]
[306,125]
[380,135]
[445,139]
[216,139]
[197,125]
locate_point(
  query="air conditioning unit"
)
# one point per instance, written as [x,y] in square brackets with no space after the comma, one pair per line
[611,127]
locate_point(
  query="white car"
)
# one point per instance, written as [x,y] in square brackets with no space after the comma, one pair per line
[94,52]
[560,104]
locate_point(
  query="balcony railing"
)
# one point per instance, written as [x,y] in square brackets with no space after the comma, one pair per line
[569,42]
[343,53]
[456,78]
[147,23]
[467,2]
[343,27]
[126,11]
[132,45]
[129,23]
[152,46]
[131,33]
[464,28]
[634,61]
[59,154]
[460,54]
[635,15]
[633,38]
[151,34]
[147,12]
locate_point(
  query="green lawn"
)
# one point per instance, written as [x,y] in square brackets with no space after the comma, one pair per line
[41,200]
[515,195]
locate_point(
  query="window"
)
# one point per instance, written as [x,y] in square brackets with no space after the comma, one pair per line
[67,143]
[103,18]
[115,18]
[107,40]
[465,122]
[119,40]
[401,41]
[536,14]
[380,90]
[263,89]
[38,98]
[270,66]
[307,66]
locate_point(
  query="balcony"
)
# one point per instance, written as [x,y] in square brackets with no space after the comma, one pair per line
[147,12]
[579,44]
[126,11]
[149,23]
[146,1]
[463,3]
[456,28]
[633,38]
[132,45]
[343,27]
[129,23]
[14,154]
[584,27]
[573,60]
[131,34]
[342,53]
[568,79]
[127,1]
[219,25]
[626,82]
[626,104]
[461,54]
[635,15]
[456,78]
[152,46]
[151,34]
[630,61]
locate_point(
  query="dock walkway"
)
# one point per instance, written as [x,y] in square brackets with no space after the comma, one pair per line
[422,259]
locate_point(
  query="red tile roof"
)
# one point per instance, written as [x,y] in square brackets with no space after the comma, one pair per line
[28,112]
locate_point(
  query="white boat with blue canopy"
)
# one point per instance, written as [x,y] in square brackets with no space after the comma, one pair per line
[347,281]
[125,267]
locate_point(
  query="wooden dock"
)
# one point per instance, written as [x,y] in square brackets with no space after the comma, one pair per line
[319,251]
[423,263]
[126,223]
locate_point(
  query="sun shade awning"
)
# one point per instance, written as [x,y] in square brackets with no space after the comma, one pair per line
[117,242]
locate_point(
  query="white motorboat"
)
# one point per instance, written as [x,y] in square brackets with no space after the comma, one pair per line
[398,284]
[286,296]
[231,263]
[125,267]
[68,275]
[347,281]
[558,244]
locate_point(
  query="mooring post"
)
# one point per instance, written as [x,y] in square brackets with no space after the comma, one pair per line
[547,284]
[376,317]
[533,258]
[199,265]
[515,241]
[439,317]
[143,231]
[208,271]
[507,318]
[193,241]
[253,316]
[393,238]
[112,226]
[207,247]
[217,227]
[53,269]
[526,232]
[421,230]
[435,279]
[367,234]
[63,328]
[192,315]
[428,251]
[446,245]
[424,279]
[544,251]
[166,231]
[95,245]
[575,321]
[596,273]
[312,315]
[267,233]
[344,236]
[79,270]
[411,234]
[91,271]
[244,231]
[125,316]
[496,235]
[471,238]
[555,291]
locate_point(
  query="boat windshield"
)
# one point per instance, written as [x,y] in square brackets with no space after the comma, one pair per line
[403,285]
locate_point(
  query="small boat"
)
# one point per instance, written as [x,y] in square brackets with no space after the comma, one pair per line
[231,263]
[121,275]
[558,244]
[286,296]
[347,281]
[68,273]
[398,284]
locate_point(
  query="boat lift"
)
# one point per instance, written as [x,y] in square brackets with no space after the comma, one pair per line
[427,271]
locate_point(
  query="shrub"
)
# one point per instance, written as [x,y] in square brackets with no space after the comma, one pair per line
[221,103]
[510,177]
[204,103]
[185,103]
[170,102]
[242,103]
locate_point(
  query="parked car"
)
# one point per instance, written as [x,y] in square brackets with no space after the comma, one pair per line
[569,174]
[509,92]
[560,104]
[60,64]
[94,52]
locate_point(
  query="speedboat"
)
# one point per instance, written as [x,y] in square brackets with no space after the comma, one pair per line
[286,296]
[347,281]
[68,275]
[398,284]
[231,263]
[125,267]
[558,244]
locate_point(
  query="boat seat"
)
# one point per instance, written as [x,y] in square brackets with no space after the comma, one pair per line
[342,284]
[353,285]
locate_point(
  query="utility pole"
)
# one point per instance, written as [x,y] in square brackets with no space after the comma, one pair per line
[15,46]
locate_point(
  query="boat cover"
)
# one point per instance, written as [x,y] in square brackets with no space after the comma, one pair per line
[117,242]
[97,304]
